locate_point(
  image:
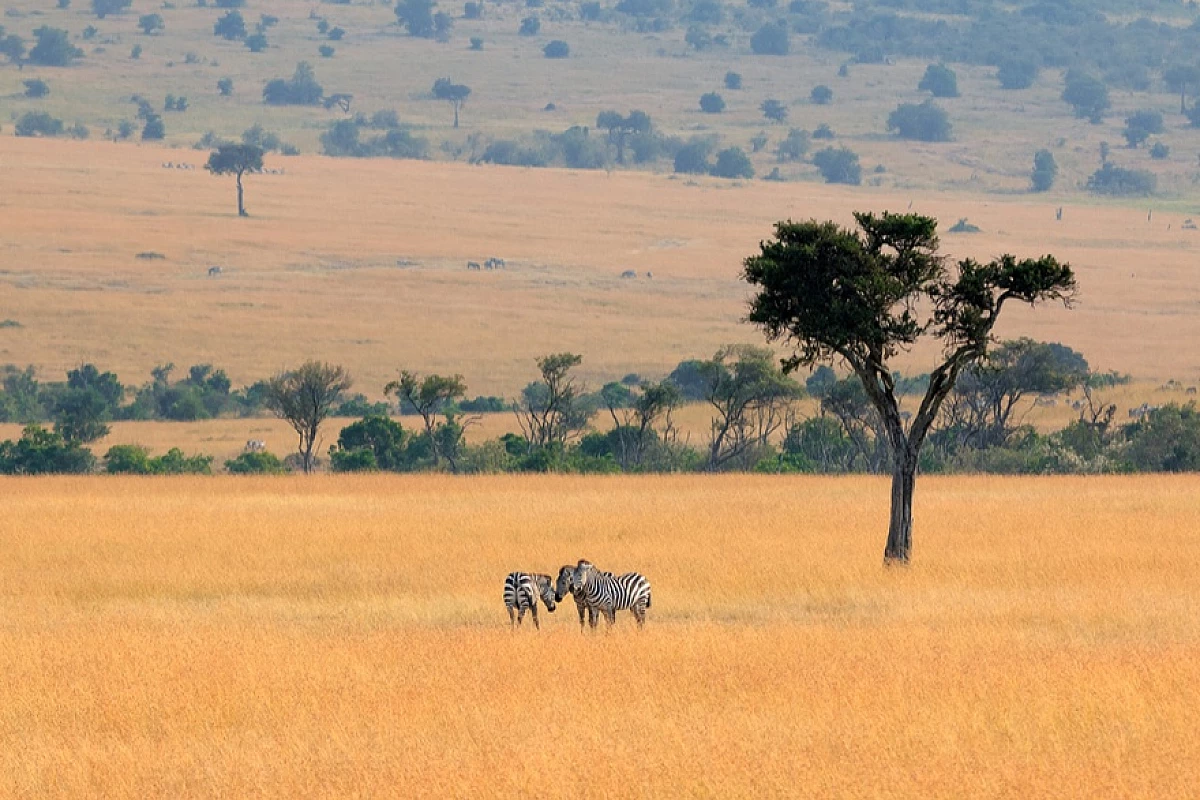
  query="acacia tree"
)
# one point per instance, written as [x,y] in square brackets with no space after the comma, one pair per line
[304,397]
[454,93]
[750,396]
[430,396]
[863,296]
[236,159]
[549,411]
[620,128]
[634,423]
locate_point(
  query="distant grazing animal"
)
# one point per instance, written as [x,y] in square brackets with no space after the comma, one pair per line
[1191,390]
[214,272]
[473,265]
[628,274]
[563,587]
[521,593]
[610,593]
[495,263]
[255,445]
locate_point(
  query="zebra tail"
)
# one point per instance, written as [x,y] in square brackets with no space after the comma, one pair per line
[649,598]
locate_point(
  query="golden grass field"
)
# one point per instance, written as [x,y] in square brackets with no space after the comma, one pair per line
[363,263]
[345,637]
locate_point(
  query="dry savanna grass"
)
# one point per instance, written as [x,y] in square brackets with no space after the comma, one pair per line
[363,263]
[345,637]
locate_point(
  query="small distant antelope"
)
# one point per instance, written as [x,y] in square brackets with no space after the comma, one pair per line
[214,272]
[255,445]
[473,265]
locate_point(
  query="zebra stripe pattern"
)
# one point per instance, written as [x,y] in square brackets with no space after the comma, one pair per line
[563,587]
[611,593]
[521,593]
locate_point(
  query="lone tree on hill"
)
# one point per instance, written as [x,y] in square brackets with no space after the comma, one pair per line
[861,297]
[621,128]
[454,93]
[236,159]
[304,397]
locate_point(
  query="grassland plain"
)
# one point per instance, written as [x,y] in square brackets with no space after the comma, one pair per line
[363,263]
[345,637]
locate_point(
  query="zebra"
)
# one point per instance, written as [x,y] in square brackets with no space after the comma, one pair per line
[521,593]
[610,593]
[563,587]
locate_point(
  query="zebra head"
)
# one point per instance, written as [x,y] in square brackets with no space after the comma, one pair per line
[562,586]
[545,590]
[582,573]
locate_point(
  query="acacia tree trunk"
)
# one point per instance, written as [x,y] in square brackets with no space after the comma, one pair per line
[241,206]
[904,479]
[456,115]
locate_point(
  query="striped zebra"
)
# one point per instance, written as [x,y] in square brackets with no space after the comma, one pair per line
[563,587]
[521,593]
[610,593]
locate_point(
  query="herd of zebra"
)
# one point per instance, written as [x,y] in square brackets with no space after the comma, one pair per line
[594,591]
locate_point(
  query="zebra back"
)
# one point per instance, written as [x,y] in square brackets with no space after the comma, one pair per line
[522,590]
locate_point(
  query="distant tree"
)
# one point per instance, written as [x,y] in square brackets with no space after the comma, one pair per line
[774,110]
[229,3]
[476,42]
[794,146]
[1193,115]
[256,42]
[823,131]
[43,452]
[556,48]
[256,463]
[698,38]
[419,19]
[861,297]
[36,88]
[154,128]
[1140,125]
[749,395]
[733,81]
[733,163]
[621,128]
[821,95]
[135,52]
[231,26]
[103,8]
[838,165]
[692,158]
[473,10]
[325,51]
[530,26]
[302,90]
[336,34]
[304,398]
[549,410]
[770,40]
[11,46]
[149,23]
[712,103]
[1017,73]
[940,81]
[1121,182]
[1087,95]
[1045,170]
[225,86]
[53,48]
[237,160]
[432,396]
[455,94]
[925,122]
[1159,151]
[1180,78]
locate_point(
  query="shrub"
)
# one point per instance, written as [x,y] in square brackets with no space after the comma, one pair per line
[231,26]
[1045,170]
[733,81]
[256,43]
[925,122]
[103,8]
[132,459]
[1140,125]
[1166,439]
[770,40]
[823,131]
[1159,151]
[42,452]
[135,52]
[1017,73]
[821,95]
[838,165]
[38,123]
[154,128]
[476,43]
[530,26]
[336,34]
[1117,181]
[712,103]
[733,163]
[36,88]
[326,51]
[259,463]
[692,158]
[556,49]
[1087,95]
[149,23]
[53,48]
[225,86]
[473,10]
[774,110]
[939,80]
[794,146]
[301,90]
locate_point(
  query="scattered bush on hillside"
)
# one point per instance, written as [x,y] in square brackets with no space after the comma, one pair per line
[1118,181]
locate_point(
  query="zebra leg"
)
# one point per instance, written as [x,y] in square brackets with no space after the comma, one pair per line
[592,615]
[610,614]
[639,613]
[533,610]
[521,615]
[512,618]
[581,611]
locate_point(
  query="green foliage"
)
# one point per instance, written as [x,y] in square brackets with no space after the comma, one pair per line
[838,165]
[939,80]
[733,81]
[325,51]
[771,40]
[1140,125]
[43,452]
[150,23]
[1087,95]
[712,103]
[733,163]
[1165,439]
[476,43]
[821,95]
[301,90]
[530,26]
[1159,151]
[53,48]
[1045,170]
[473,10]
[304,397]
[420,20]
[11,46]
[793,147]
[556,48]
[256,42]
[131,459]
[257,463]
[1121,182]
[235,159]
[1017,73]
[336,34]
[36,88]
[231,26]
[38,123]
[373,443]
[102,8]
[774,110]
[692,158]
[925,122]
[135,52]
[225,87]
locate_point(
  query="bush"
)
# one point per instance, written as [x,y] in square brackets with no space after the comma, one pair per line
[53,48]
[774,110]
[925,122]
[821,95]
[103,8]
[149,23]
[712,103]
[1159,151]
[1166,439]
[473,10]
[823,131]
[1045,170]
[135,52]
[326,51]
[692,158]
[225,87]
[1140,125]
[794,147]
[231,26]
[1087,95]
[556,49]
[733,163]
[940,81]
[36,88]
[530,26]
[336,34]
[259,463]
[301,90]
[132,459]
[733,81]
[154,128]
[770,40]
[256,43]
[838,166]
[1017,73]
[1117,181]
[38,123]
[43,452]
[476,43]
